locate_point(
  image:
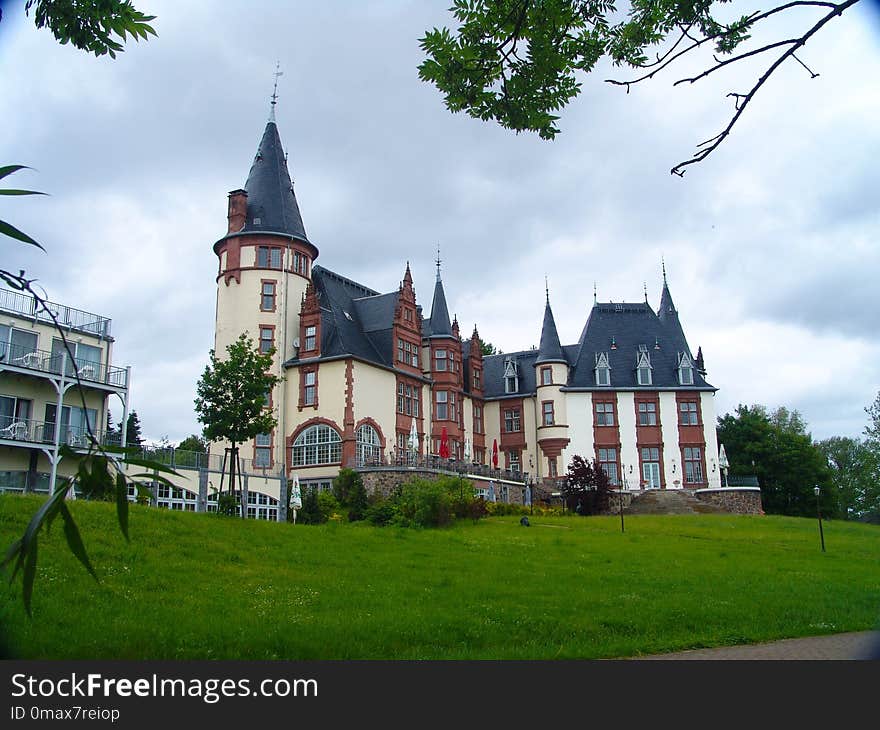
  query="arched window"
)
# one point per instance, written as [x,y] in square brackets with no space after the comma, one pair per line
[318,444]
[369,448]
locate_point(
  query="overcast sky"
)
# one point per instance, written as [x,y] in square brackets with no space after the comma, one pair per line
[771,245]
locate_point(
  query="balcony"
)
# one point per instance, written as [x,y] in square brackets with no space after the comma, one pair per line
[74,319]
[400,459]
[40,434]
[40,361]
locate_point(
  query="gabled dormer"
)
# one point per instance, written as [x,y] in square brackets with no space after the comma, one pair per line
[407,327]
[685,369]
[644,370]
[511,376]
[602,369]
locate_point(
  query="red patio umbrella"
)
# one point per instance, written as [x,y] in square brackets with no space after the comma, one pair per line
[495,453]
[444,444]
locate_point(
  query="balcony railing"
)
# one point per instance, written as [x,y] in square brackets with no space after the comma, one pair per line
[45,362]
[18,303]
[410,460]
[29,431]
[733,480]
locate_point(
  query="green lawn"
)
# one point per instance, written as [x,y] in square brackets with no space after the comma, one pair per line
[198,586]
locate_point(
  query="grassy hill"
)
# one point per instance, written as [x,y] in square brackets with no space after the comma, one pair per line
[194,586]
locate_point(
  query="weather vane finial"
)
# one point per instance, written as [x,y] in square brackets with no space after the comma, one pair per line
[663,264]
[438,262]
[278,72]
[547,289]
[595,295]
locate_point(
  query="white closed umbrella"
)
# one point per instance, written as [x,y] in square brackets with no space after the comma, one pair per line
[295,496]
[413,436]
[467,449]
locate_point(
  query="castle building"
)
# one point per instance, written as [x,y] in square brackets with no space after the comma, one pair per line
[361,370]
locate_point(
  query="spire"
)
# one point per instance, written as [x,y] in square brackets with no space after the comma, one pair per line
[550,350]
[440,324]
[271,202]
[407,277]
[667,307]
[701,366]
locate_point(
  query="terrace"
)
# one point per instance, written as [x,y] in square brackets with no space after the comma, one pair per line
[40,361]
[68,317]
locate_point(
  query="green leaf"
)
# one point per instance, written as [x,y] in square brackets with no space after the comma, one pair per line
[154,477]
[11,191]
[14,551]
[122,504]
[8,230]
[9,169]
[74,541]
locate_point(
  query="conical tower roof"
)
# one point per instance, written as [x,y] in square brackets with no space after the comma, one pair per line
[440,324]
[271,202]
[550,349]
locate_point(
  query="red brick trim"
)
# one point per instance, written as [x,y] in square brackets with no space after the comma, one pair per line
[271,464]
[552,448]
[349,442]
[260,328]
[303,371]
[552,413]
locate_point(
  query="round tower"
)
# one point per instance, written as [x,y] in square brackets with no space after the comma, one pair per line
[551,374]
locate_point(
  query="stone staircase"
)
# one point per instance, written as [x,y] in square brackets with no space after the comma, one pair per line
[669,502]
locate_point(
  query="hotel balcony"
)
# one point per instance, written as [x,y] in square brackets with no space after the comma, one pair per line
[30,433]
[27,361]
[68,318]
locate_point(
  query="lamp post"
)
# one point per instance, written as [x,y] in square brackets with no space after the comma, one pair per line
[816,491]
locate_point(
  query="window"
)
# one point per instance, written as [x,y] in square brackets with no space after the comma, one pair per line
[511,420]
[309,388]
[263,450]
[478,419]
[686,376]
[511,377]
[608,462]
[13,411]
[408,352]
[693,465]
[478,379]
[75,425]
[267,339]
[688,415]
[440,360]
[647,414]
[414,355]
[267,301]
[317,445]
[296,261]
[311,338]
[441,412]
[513,460]
[408,399]
[552,468]
[651,467]
[547,410]
[400,350]
[604,414]
[603,371]
[87,358]
[643,366]
[369,448]
[546,376]
[685,369]
[268,258]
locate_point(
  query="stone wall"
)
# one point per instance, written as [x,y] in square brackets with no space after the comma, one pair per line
[737,500]
[384,480]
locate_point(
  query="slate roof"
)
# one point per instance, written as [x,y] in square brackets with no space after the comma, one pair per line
[438,325]
[628,326]
[549,350]
[271,202]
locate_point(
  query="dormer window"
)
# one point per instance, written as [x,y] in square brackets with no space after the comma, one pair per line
[643,366]
[511,377]
[685,369]
[603,371]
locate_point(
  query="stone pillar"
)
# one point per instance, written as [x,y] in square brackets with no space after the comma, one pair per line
[202,501]
[283,499]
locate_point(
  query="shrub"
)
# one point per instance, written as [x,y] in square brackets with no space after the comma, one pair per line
[327,505]
[310,514]
[425,503]
[227,504]
[497,509]
[381,511]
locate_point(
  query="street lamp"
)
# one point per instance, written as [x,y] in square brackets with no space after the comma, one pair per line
[816,491]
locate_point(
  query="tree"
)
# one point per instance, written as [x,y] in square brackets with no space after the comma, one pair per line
[855,476]
[89,24]
[349,491]
[193,442]
[778,450]
[517,61]
[231,397]
[586,487]
[133,436]
[487,348]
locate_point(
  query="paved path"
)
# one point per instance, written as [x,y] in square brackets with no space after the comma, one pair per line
[857,645]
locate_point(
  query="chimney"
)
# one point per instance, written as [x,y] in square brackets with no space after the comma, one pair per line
[237,210]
